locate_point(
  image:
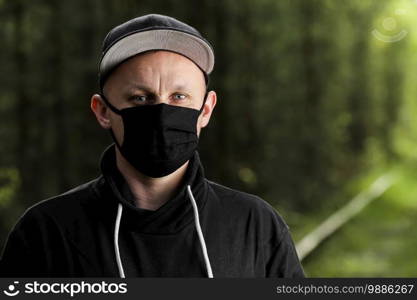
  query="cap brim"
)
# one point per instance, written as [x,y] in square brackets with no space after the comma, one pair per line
[194,48]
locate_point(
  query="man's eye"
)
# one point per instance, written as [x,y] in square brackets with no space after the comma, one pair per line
[141,98]
[179,97]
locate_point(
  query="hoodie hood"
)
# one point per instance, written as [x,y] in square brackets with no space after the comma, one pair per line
[173,215]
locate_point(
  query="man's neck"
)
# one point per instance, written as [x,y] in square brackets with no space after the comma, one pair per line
[150,193]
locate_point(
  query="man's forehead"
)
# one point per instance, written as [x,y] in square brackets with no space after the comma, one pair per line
[168,59]
[175,70]
[132,87]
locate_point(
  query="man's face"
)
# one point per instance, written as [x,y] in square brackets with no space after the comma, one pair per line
[151,78]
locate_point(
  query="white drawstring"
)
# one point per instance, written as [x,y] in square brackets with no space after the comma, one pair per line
[200,233]
[197,225]
[116,241]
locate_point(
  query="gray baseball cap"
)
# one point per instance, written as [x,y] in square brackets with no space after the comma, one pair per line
[154,32]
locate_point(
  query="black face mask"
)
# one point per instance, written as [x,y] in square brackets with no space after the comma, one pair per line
[159,138]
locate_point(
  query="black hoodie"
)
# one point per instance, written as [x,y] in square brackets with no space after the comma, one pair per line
[73,234]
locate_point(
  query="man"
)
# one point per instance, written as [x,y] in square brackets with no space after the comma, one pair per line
[152,213]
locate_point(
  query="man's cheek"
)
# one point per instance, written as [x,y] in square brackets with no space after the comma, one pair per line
[199,122]
[118,130]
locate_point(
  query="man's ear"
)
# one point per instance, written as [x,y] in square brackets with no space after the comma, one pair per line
[208,108]
[101,111]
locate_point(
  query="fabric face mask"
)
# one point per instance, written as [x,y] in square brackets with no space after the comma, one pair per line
[158,138]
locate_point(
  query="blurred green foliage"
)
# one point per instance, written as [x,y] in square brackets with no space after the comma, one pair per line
[9,186]
[9,183]
[311,102]
[379,242]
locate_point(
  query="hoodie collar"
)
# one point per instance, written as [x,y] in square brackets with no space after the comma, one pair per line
[173,215]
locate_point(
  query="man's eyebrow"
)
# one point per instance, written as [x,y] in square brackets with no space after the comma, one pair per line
[138,87]
[181,87]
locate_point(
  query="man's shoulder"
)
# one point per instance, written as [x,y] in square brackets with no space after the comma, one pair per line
[60,207]
[242,203]
[233,194]
[235,197]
